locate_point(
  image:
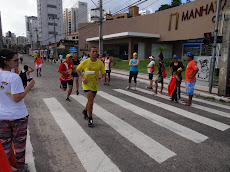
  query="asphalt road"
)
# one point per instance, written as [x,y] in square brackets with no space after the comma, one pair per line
[133,132]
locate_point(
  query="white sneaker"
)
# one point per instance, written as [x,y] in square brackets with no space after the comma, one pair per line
[127,88]
[135,88]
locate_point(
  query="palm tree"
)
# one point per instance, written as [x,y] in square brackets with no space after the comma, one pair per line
[161,49]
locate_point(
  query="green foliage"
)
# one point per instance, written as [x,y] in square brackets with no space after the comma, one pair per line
[65,52]
[176,3]
[164,7]
[116,59]
[161,48]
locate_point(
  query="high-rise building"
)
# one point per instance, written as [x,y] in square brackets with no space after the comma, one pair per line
[21,40]
[32,30]
[50,21]
[10,39]
[1,39]
[73,16]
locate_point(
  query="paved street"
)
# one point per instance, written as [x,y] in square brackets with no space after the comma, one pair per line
[134,130]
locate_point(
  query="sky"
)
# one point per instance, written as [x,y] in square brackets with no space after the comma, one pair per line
[13,12]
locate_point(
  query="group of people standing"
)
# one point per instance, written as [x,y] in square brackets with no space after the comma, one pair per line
[176,69]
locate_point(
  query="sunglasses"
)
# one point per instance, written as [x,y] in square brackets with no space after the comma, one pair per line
[16,60]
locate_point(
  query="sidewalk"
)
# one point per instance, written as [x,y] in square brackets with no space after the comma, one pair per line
[143,78]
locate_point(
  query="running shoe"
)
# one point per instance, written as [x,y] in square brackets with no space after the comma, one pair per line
[25,168]
[90,123]
[135,88]
[67,99]
[37,74]
[127,88]
[150,87]
[40,74]
[85,114]
[77,92]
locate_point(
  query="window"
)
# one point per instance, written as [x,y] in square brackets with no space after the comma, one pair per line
[51,6]
[51,24]
[52,15]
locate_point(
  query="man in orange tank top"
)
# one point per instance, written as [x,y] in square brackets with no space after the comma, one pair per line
[38,64]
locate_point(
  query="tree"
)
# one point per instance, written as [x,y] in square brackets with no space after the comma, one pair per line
[65,52]
[164,7]
[176,3]
[161,49]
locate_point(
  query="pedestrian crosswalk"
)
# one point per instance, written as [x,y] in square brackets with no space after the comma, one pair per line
[89,152]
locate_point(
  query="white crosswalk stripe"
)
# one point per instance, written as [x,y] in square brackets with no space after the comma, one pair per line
[154,149]
[170,125]
[190,115]
[91,156]
[207,109]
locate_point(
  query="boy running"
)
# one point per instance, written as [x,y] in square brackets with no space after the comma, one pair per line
[107,62]
[65,69]
[38,61]
[76,62]
[91,66]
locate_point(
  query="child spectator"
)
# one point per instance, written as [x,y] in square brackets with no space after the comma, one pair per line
[173,88]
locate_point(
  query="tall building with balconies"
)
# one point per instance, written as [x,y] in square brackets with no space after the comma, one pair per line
[1,38]
[73,16]
[50,21]
[32,30]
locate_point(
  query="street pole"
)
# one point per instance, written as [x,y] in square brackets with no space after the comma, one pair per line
[224,75]
[213,59]
[100,29]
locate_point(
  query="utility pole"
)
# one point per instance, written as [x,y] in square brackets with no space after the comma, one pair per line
[213,59]
[224,75]
[100,29]
[55,38]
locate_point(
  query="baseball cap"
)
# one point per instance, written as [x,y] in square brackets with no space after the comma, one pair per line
[151,57]
[190,54]
[68,55]
[135,54]
[175,56]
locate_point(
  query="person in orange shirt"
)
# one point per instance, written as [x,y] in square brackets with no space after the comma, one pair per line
[38,64]
[190,77]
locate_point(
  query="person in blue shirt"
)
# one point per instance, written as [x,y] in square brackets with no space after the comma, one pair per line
[133,63]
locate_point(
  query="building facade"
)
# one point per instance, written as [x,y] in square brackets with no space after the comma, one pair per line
[1,38]
[21,40]
[10,39]
[73,16]
[32,30]
[50,21]
[180,29]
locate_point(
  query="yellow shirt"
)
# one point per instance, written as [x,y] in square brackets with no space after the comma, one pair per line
[88,65]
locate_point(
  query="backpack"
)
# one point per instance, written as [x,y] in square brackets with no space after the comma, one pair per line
[164,74]
[152,69]
[23,77]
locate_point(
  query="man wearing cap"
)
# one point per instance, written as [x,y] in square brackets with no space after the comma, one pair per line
[177,66]
[65,69]
[151,69]
[190,77]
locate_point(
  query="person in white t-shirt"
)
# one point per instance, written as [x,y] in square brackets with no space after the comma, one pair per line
[151,69]
[61,57]
[13,112]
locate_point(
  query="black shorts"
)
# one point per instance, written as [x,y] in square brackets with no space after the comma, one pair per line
[64,83]
[95,92]
[108,71]
[150,76]
[75,75]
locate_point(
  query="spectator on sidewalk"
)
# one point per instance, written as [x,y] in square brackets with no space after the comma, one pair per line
[25,75]
[151,69]
[160,78]
[173,87]
[61,57]
[133,63]
[177,66]
[190,77]
[13,112]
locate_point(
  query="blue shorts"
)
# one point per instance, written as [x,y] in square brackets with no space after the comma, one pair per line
[190,87]
[75,75]
[64,83]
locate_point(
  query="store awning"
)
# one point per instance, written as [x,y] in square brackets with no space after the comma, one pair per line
[125,35]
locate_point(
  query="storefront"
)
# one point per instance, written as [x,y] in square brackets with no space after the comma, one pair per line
[180,29]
